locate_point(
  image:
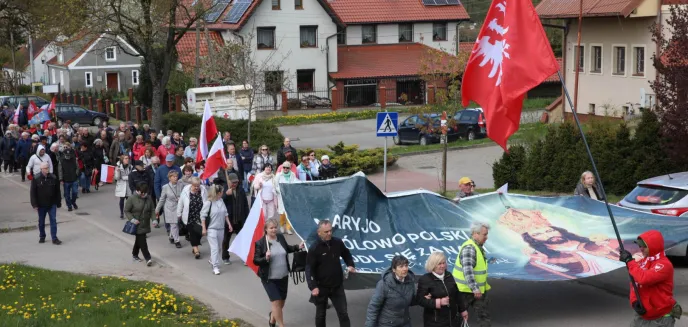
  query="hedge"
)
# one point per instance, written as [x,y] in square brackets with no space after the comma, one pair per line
[262,131]
[350,160]
[556,162]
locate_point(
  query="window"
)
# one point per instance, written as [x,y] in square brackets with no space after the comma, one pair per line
[304,79]
[619,60]
[61,78]
[273,81]
[111,54]
[439,31]
[581,57]
[309,36]
[405,33]
[369,34]
[596,59]
[341,35]
[60,57]
[275,4]
[298,4]
[591,108]
[266,37]
[638,61]
[53,75]
[88,79]
[135,77]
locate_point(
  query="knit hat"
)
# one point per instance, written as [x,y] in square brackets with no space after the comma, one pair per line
[325,157]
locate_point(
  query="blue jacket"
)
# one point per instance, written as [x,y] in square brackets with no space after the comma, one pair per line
[23,149]
[389,306]
[161,178]
[248,159]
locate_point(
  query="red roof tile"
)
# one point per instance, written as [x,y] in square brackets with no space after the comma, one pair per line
[674,2]
[387,11]
[591,8]
[555,76]
[186,47]
[376,61]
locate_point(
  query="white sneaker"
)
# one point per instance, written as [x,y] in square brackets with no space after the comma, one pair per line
[282,229]
[216,271]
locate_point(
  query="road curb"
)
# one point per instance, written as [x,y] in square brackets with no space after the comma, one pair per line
[456,148]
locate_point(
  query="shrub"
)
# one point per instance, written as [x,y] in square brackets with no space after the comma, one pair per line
[350,160]
[262,131]
[506,170]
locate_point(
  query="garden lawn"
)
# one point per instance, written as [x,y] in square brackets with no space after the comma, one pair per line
[611,198]
[38,297]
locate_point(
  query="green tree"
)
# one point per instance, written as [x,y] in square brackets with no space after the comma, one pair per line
[179,83]
[508,168]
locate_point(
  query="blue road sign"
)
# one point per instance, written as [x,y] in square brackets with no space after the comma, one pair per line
[387,124]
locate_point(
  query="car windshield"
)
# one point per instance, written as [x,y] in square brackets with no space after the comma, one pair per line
[655,195]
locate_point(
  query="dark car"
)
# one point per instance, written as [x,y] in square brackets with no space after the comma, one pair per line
[16,100]
[77,114]
[470,123]
[417,129]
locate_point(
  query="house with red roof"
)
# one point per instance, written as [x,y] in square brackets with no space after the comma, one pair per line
[616,51]
[43,51]
[356,45]
[94,61]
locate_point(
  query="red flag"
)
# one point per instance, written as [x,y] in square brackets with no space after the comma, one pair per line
[52,106]
[208,132]
[215,161]
[511,56]
[107,173]
[32,110]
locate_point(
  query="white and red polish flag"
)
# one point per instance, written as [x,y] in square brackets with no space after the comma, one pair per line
[216,159]
[107,173]
[208,131]
[243,244]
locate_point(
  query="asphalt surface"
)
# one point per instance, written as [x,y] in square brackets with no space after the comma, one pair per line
[94,243]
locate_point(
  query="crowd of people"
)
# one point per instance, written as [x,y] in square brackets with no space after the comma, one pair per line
[157,183]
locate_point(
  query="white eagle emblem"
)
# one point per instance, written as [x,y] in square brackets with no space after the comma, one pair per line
[494,53]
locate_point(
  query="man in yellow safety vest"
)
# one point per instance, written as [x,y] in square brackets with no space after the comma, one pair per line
[470,273]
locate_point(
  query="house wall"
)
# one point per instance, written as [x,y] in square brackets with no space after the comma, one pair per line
[288,55]
[604,89]
[422,33]
[41,69]
[57,78]
[78,78]
[96,56]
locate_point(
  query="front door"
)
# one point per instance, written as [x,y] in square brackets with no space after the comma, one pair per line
[112,81]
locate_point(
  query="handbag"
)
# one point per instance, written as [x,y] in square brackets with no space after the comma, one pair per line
[130,228]
[298,267]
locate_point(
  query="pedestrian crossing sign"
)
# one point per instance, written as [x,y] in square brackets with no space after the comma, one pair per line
[387,124]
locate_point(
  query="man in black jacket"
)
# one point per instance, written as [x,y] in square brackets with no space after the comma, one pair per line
[237,208]
[139,175]
[68,173]
[283,150]
[46,198]
[325,276]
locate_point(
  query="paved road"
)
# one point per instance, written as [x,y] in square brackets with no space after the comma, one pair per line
[361,132]
[94,243]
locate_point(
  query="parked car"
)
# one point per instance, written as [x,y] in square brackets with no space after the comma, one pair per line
[663,195]
[313,101]
[471,123]
[389,104]
[77,114]
[410,130]
[16,100]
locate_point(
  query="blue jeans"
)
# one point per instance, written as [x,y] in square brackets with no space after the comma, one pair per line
[85,181]
[245,182]
[51,211]
[71,191]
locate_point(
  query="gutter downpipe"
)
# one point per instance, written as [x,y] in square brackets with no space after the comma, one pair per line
[327,63]
[565,29]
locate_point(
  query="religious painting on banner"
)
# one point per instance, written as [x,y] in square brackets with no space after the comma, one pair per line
[531,238]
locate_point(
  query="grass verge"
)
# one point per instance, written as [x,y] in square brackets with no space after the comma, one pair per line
[335,116]
[527,133]
[611,197]
[32,296]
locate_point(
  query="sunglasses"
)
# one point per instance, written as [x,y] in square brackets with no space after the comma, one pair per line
[264,149]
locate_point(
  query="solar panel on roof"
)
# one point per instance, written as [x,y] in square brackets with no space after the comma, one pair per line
[238,9]
[440,2]
[429,2]
[216,10]
[453,2]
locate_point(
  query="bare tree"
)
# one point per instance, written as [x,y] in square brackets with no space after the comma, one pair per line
[235,63]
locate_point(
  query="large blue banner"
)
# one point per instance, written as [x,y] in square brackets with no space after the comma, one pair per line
[531,238]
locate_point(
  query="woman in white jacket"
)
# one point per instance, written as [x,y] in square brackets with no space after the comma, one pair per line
[285,176]
[122,190]
[33,167]
[189,211]
[264,189]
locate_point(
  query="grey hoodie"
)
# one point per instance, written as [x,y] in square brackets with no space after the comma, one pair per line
[34,164]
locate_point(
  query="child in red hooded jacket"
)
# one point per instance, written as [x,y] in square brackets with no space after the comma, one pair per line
[654,275]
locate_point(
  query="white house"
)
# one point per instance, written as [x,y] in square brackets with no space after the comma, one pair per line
[43,51]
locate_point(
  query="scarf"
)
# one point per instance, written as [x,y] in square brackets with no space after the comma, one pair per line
[307,170]
[267,177]
[440,277]
[645,261]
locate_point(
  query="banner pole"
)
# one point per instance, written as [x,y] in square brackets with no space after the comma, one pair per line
[597,178]
[384,165]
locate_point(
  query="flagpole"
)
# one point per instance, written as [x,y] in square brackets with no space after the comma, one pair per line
[598,179]
[577,53]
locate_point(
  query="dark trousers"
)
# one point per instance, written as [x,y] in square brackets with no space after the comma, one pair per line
[22,167]
[338,298]
[141,244]
[480,307]
[8,165]
[225,242]
[51,212]
[71,190]
[121,205]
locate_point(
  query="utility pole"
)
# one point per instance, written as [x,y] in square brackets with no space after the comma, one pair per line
[33,70]
[443,123]
[13,78]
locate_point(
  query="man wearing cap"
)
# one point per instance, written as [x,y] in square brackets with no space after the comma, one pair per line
[161,174]
[237,208]
[654,275]
[466,186]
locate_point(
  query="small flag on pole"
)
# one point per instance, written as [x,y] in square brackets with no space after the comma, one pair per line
[107,174]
